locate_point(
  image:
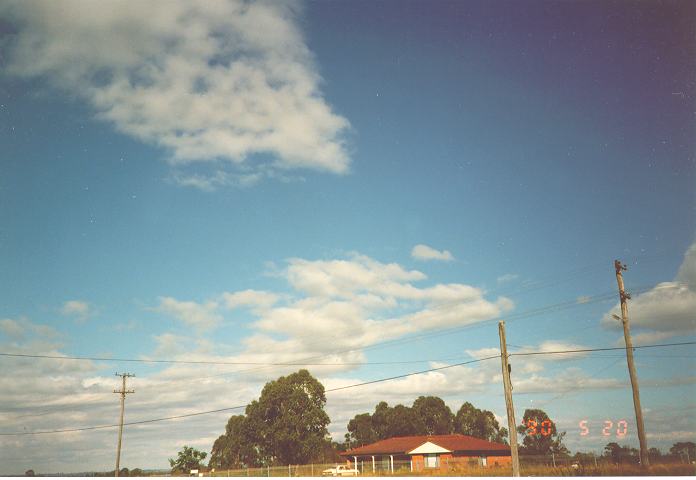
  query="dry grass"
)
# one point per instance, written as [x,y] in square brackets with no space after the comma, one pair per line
[607,470]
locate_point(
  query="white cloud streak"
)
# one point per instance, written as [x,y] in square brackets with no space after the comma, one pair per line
[77,309]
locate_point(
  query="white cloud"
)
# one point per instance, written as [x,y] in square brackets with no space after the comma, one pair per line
[249,298]
[202,316]
[11,328]
[345,278]
[645,338]
[507,278]
[570,380]
[76,308]
[669,307]
[424,252]
[220,81]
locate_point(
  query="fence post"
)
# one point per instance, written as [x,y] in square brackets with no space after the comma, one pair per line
[268,470]
[553,459]
[312,470]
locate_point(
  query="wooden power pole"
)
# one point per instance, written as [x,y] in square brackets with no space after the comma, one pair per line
[123,393]
[623,296]
[512,426]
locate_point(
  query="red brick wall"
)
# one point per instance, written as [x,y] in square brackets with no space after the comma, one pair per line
[418,463]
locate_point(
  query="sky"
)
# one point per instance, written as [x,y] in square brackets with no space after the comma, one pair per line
[371,186]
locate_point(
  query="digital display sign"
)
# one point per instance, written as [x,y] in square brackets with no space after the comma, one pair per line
[609,428]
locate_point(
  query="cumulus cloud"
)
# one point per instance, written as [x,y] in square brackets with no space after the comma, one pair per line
[202,316]
[250,299]
[11,328]
[424,252]
[229,83]
[668,308]
[78,309]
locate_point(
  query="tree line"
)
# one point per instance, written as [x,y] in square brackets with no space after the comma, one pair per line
[287,425]
[427,416]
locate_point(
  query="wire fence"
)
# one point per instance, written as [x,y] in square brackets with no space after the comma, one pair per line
[531,464]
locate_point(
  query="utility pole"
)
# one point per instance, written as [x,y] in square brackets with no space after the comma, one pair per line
[644,460]
[123,393]
[512,426]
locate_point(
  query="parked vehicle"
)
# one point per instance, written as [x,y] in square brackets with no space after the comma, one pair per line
[340,471]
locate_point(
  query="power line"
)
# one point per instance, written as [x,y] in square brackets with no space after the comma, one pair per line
[205,362]
[605,349]
[397,341]
[140,422]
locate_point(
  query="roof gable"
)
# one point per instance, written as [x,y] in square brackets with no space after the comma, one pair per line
[428,447]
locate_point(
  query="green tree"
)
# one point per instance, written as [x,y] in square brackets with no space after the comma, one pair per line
[402,421]
[540,434]
[234,449]
[380,420]
[29,473]
[436,417]
[620,454]
[188,459]
[682,449]
[136,472]
[654,455]
[479,423]
[288,422]
[361,431]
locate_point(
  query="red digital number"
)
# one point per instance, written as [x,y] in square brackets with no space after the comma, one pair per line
[607,425]
[546,428]
[621,428]
[531,427]
[584,431]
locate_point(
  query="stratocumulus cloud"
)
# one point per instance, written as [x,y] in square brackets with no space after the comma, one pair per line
[224,80]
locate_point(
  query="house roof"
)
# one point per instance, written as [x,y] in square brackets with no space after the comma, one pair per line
[454,443]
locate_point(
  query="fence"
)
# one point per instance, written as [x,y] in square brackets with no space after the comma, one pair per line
[550,465]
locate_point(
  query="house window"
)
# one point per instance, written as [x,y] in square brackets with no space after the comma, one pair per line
[432,460]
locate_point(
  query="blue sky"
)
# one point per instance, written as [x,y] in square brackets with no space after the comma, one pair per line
[251,183]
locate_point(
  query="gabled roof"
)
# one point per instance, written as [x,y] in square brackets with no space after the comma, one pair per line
[402,445]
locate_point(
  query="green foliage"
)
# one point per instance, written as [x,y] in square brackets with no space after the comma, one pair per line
[386,422]
[436,417]
[654,454]
[136,472]
[361,430]
[29,473]
[234,449]
[428,416]
[620,454]
[479,423]
[584,459]
[188,459]
[680,449]
[535,423]
[286,425]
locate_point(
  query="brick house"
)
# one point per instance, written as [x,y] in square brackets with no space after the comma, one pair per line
[421,452]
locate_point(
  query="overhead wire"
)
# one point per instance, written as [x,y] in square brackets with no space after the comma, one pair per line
[527,314]
[139,422]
